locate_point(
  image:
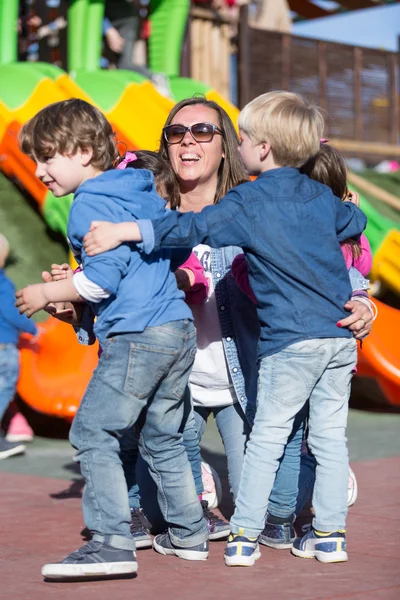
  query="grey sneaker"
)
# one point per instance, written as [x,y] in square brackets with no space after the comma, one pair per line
[278,535]
[218,529]
[162,544]
[95,560]
[140,529]
[8,449]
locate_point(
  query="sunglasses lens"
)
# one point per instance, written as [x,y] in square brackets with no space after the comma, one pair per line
[174,133]
[203,132]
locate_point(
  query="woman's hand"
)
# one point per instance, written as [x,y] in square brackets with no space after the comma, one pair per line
[59,272]
[67,312]
[184,279]
[360,320]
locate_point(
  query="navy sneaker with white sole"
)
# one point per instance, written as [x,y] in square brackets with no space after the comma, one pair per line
[218,529]
[94,560]
[278,535]
[162,543]
[241,551]
[140,529]
[327,548]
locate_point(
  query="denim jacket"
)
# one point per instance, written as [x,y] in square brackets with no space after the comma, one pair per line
[240,329]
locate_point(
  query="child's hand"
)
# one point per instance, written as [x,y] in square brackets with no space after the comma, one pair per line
[352,197]
[101,237]
[184,279]
[63,311]
[31,299]
[59,272]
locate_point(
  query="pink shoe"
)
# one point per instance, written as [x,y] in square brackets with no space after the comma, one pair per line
[19,430]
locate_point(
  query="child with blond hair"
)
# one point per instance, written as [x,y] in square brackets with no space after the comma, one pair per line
[290,228]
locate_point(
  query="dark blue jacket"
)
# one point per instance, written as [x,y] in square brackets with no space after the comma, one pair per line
[143,289]
[289,227]
[11,322]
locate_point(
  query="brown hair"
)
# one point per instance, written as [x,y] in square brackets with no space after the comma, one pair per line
[64,127]
[231,171]
[164,177]
[329,167]
[288,122]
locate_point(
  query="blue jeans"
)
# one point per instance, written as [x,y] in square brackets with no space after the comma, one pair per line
[9,371]
[138,386]
[318,370]
[234,430]
[137,473]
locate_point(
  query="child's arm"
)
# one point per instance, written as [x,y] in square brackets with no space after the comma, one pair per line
[224,224]
[240,272]
[350,220]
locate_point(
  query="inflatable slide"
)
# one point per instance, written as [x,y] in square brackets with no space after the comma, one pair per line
[56,370]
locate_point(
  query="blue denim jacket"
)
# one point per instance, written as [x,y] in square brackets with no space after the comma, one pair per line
[240,329]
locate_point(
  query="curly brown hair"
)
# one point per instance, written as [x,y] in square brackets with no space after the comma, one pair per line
[67,126]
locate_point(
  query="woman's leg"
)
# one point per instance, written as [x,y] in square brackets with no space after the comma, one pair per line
[234,430]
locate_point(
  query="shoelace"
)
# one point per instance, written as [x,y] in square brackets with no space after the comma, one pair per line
[208,514]
[139,521]
[88,548]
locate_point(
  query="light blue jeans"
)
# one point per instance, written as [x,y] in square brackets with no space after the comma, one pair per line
[234,431]
[318,370]
[139,383]
[9,371]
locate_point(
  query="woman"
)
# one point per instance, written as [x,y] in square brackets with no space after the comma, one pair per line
[200,142]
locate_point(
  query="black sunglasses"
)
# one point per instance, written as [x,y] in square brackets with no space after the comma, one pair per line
[200,132]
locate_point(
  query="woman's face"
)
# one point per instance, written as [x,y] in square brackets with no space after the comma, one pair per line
[196,162]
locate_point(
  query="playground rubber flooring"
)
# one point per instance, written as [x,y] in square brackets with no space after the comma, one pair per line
[41,520]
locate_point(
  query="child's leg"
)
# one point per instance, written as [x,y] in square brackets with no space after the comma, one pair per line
[234,430]
[327,437]
[286,380]
[9,371]
[190,439]
[161,442]
[282,502]
[107,412]
[129,457]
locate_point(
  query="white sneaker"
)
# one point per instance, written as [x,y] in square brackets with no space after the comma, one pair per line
[212,487]
[352,490]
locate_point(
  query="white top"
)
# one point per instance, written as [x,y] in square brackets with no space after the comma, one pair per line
[87,289]
[210,383]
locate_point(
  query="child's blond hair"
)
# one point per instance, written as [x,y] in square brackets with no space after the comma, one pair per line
[4,250]
[67,126]
[285,120]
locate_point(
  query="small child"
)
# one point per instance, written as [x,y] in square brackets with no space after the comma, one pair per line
[11,325]
[289,227]
[191,279]
[329,167]
[148,340]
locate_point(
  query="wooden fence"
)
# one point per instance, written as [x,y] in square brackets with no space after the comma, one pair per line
[357,87]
